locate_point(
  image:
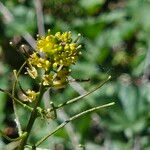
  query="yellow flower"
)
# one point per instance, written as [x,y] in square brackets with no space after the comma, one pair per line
[32,72]
[33,59]
[39,62]
[59,48]
[43,63]
[47,44]
[64,37]
[30,95]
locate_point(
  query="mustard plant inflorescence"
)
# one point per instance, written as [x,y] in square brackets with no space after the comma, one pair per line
[49,65]
[52,60]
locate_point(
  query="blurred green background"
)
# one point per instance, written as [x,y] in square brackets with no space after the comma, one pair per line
[115,39]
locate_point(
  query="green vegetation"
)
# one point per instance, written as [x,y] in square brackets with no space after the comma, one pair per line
[115,39]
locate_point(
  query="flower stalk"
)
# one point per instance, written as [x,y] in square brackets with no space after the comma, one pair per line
[32,118]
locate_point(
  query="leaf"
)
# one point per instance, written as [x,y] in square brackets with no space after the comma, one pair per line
[129,99]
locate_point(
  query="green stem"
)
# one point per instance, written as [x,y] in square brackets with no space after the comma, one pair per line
[71,119]
[32,118]
[84,95]
[16,100]
[13,94]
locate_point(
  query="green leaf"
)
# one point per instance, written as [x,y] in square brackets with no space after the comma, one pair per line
[129,99]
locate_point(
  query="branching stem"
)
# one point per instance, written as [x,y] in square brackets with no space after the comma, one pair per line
[13,94]
[71,119]
[84,95]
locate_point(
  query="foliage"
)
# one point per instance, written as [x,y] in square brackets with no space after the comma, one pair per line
[115,42]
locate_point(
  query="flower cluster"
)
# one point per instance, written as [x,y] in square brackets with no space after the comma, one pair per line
[52,59]
[35,60]
[30,95]
[59,48]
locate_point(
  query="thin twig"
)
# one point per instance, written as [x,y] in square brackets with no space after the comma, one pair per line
[71,119]
[40,20]
[13,95]
[17,100]
[31,41]
[84,95]
[76,86]
[6,13]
